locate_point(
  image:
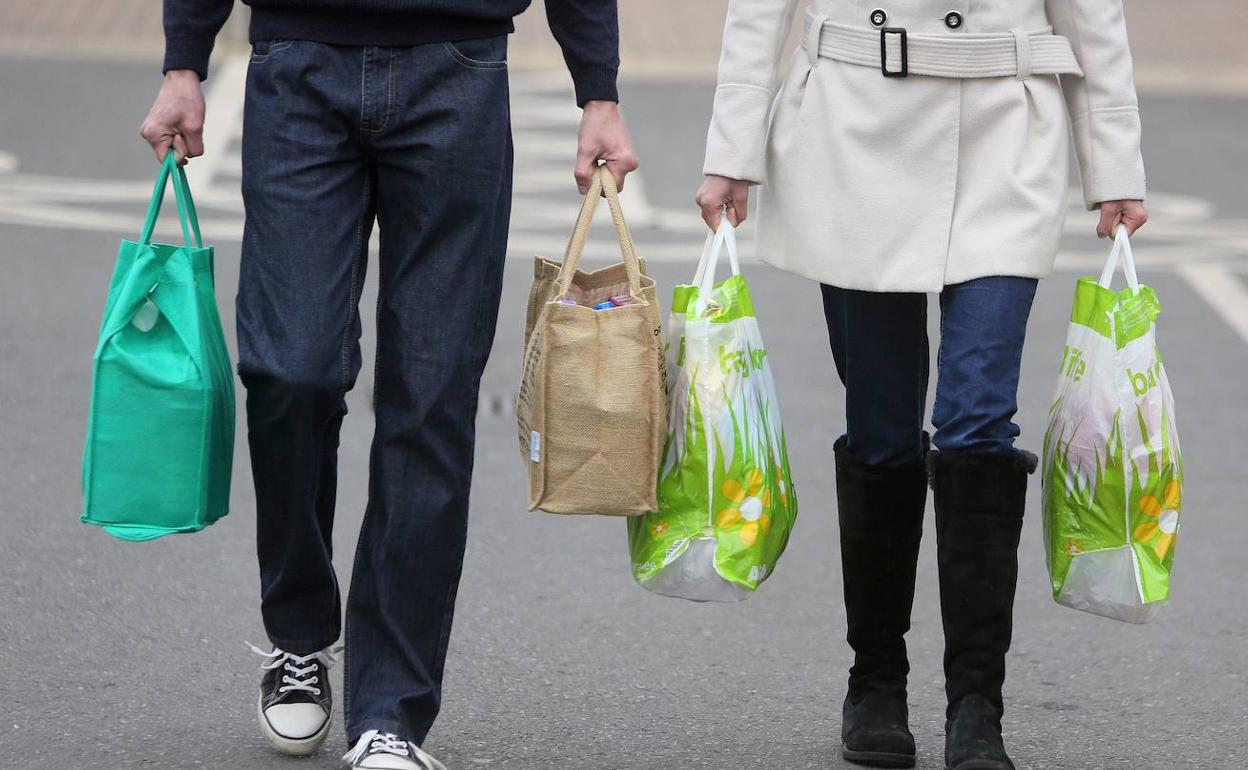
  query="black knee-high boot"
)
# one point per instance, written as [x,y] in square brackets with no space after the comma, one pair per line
[881,518]
[979,499]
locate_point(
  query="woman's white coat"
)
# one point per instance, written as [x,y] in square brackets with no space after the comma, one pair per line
[913,183]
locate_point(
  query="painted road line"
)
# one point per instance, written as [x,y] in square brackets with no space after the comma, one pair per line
[223,119]
[1224,292]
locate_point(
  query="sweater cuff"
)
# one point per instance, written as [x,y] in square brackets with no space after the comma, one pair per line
[595,84]
[188,53]
[1107,143]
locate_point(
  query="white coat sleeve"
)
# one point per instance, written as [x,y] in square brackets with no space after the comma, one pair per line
[754,38]
[1104,112]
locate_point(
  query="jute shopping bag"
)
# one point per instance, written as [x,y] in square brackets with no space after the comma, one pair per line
[591,409]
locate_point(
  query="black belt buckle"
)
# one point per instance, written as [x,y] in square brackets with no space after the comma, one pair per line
[905,52]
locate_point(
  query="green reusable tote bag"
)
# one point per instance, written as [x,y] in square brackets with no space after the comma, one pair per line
[160,436]
[726,499]
[1113,471]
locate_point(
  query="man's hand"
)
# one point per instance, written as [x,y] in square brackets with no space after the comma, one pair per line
[717,192]
[177,117]
[1130,213]
[603,137]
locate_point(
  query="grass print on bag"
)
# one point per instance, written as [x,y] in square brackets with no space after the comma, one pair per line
[591,411]
[1113,471]
[726,499]
[160,436]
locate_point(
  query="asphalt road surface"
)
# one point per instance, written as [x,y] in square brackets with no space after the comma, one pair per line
[122,655]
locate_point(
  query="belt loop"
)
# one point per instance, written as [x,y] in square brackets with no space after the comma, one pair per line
[814,36]
[1022,51]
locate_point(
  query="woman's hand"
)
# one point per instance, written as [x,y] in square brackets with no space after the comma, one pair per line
[717,192]
[1130,213]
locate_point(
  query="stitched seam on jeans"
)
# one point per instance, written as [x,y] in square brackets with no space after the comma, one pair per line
[278,47]
[471,63]
[364,92]
[353,309]
[385,121]
[390,94]
[448,611]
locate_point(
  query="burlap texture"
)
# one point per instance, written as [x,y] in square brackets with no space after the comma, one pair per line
[591,411]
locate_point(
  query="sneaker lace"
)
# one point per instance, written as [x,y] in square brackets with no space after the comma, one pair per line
[377,742]
[298,670]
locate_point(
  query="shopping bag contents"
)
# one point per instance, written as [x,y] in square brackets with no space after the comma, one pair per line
[160,436]
[591,407]
[726,497]
[1113,472]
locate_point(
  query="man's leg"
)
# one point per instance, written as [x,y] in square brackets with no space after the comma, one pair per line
[880,345]
[436,122]
[308,195]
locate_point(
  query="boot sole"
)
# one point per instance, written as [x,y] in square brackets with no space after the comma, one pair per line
[877,758]
[980,764]
[292,747]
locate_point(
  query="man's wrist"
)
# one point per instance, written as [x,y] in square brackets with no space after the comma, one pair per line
[595,84]
[601,105]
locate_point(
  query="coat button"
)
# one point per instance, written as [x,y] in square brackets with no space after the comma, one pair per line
[878,17]
[953,20]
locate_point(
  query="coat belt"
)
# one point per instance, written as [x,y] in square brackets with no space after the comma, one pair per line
[896,52]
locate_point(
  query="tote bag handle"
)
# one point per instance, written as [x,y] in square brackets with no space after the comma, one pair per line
[603,183]
[725,238]
[1120,254]
[187,216]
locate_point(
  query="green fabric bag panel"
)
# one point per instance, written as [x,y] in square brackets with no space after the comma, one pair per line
[160,436]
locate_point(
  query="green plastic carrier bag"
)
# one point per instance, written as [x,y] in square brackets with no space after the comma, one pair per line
[1113,472]
[726,499]
[160,437]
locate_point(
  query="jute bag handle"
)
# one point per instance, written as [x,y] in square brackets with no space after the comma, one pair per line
[602,183]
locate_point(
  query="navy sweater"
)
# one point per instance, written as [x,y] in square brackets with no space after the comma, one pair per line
[587,30]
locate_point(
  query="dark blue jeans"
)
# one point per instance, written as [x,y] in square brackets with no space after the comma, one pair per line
[879,342]
[419,139]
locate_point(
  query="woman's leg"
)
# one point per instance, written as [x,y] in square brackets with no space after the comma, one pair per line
[879,342]
[979,487]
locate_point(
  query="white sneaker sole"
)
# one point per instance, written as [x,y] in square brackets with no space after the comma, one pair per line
[293,747]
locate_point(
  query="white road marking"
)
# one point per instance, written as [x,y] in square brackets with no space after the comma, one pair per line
[1184,236]
[223,118]
[1224,292]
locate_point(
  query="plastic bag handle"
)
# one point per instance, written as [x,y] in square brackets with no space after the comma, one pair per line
[1120,254]
[725,238]
[603,184]
[708,249]
[187,216]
